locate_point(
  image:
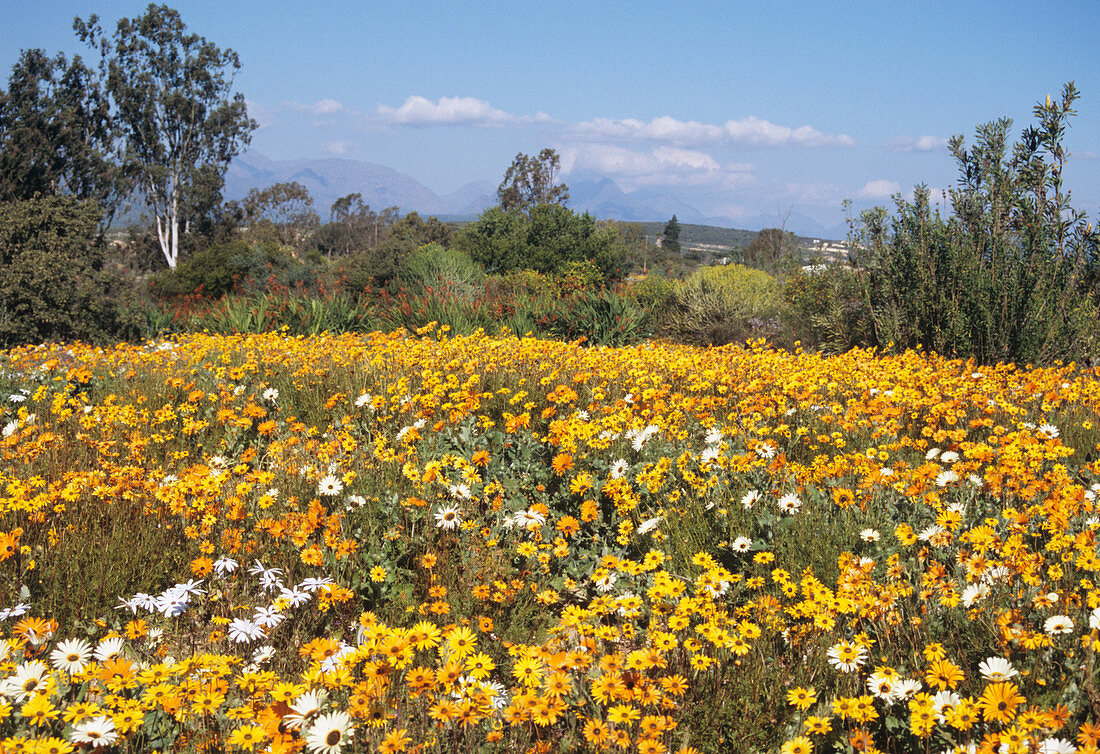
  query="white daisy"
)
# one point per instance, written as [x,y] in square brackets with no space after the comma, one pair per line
[847,656]
[790,503]
[29,678]
[943,702]
[109,648]
[96,732]
[1049,430]
[330,486]
[741,544]
[974,593]
[364,400]
[263,654]
[649,525]
[271,395]
[906,688]
[749,499]
[71,655]
[448,517]
[870,535]
[329,733]
[945,478]
[244,631]
[306,705]
[223,566]
[1058,624]
[996,669]
[882,686]
[618,468]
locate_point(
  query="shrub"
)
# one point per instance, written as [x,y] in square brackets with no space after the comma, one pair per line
[1009,275]
[547,240]
[433,266]
[582,275]
[53,281]
[825,309]
[225,267]
[719,305]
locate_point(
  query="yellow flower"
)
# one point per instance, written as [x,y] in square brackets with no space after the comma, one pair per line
[802,698]
[800,745]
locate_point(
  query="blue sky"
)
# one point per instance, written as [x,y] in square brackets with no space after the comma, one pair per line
[739,109]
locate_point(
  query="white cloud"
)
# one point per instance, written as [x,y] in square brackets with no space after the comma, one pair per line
[658,129]
[338,147]
[420,111]
[259,113]
[880,189]
[815,193]
[749,131]
[663,165]
[320,107]
[758,132]
[906,143]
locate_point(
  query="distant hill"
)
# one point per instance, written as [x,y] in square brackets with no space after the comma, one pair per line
[329,179]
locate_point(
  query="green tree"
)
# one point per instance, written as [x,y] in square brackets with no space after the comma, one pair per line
[282,212]
[531,181]
[55,133]
[172,94]
[53,280]
[670,239]
[771,249]
[547,241]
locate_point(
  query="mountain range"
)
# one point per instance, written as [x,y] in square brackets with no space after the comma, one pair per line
[331,178]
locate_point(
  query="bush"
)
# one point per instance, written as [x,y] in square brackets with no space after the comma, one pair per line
[433,266]
[227,267]
[1009,275]
[53,281]
[825,309]
[547,240]
[719,305]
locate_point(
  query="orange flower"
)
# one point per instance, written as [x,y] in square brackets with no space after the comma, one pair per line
[562,463]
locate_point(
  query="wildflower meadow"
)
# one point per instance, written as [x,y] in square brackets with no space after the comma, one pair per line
[419,541]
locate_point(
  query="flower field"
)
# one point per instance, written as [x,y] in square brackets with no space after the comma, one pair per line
[419,542]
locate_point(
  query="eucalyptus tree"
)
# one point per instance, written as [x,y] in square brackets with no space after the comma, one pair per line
[180,121]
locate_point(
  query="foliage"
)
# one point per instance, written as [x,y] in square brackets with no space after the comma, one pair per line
[670,238]
[1009,275]
[773,250]
[225,267]
[546,240]
[56,136]
[433,266]
[172,97]
[53,281]
[576,276]
[725,304]
[531,181]
[354,227]
[282,213]
[825,308]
